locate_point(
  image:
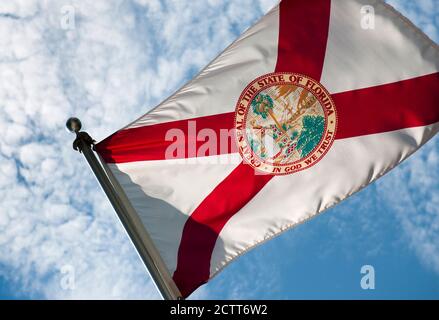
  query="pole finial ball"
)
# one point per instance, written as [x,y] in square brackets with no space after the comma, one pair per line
[73,125]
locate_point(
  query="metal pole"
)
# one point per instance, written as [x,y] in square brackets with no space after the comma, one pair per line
[83,143]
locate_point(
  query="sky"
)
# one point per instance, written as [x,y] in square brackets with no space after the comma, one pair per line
[60,238]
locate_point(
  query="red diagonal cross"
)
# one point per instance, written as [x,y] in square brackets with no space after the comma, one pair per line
[303,34]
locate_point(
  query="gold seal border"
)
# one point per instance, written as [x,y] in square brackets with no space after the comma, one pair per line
[241,110]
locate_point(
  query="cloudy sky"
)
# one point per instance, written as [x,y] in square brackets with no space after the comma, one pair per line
[110,64]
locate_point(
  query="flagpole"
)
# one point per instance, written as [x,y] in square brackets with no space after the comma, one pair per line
[85,145]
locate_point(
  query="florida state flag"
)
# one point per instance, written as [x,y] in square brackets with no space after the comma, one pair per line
[311,104]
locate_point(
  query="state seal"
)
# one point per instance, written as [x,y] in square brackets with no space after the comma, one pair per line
[284,123]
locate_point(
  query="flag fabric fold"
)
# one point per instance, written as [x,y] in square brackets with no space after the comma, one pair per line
[311,104]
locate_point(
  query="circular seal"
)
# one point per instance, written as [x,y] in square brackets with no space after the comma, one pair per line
[284,123]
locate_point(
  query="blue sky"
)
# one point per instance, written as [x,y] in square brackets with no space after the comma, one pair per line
[120,59]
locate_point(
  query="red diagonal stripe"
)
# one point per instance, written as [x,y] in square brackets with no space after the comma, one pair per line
[393,106]
[297,52]
[303,33]
[149,142]
[202,229]
[403,104]
[388,107]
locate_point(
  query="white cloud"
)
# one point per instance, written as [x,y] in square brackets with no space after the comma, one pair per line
[412,191]
[423,13]
[122,58]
